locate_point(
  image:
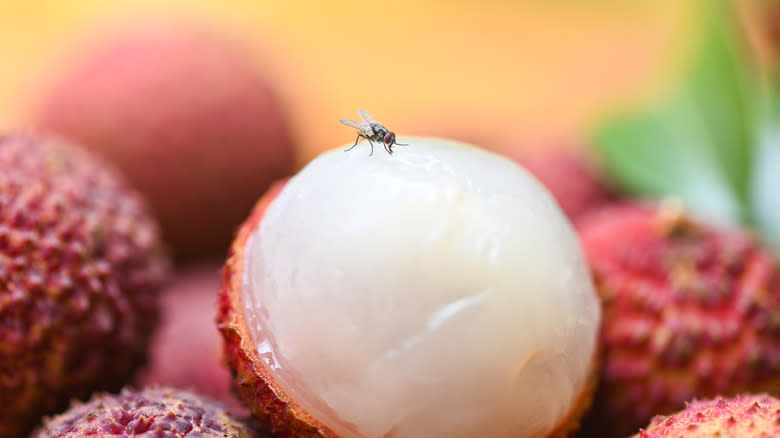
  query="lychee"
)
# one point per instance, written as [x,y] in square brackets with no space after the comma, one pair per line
[567,175]
[81,265]
[559,161]
[743,416]
[186,351]
[187,115]
[690,310]
[153,412]
[436,292]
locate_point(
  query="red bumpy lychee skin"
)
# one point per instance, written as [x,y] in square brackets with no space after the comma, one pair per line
[152,412]
[186,351]
[689,311]
[80,268]
[566,175]
[188,118]
[744,416]
[275,411]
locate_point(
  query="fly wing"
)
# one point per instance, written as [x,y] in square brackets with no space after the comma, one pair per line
[353,123]
[365,115]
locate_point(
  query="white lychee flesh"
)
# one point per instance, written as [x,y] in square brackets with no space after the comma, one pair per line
[436,292]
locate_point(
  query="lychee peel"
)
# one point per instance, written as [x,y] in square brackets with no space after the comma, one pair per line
[743,416]
[274,409]
[389,202]
[80,267]
[690,310]
[187,115]
[151,412]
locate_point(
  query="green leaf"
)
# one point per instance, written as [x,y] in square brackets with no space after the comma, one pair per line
[698,141]
[664,153]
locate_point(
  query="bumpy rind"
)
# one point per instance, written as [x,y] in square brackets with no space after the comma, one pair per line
[744,416]
[80,268]
[151,412]
[276,411]
[689,311]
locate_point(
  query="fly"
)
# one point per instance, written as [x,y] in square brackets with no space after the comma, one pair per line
[370,129]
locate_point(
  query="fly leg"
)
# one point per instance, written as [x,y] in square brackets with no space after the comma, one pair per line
[356,142]
[372,146]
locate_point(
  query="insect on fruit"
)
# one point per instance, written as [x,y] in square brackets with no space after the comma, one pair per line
[370,129]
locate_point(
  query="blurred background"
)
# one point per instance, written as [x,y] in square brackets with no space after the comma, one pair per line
[503,68]
[204,104]
[178,94]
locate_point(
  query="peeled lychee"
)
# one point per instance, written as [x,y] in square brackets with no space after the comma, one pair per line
[188,117]
[437,292]
[744,416]
[152,412]
[690,310]
[80,269]
[558,161]
[186,351]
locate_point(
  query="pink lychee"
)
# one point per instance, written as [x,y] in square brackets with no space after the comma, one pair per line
[187,115]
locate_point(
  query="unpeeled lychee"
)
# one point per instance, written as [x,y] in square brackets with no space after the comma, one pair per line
[567,175]
[690,310]
[186,351]
[156,412]
[743,416]
[81,265]
[437,292]
[186,114]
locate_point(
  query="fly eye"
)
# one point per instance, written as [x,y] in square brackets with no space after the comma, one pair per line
[389,138]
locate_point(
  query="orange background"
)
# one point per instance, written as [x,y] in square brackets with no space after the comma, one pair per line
[505,69]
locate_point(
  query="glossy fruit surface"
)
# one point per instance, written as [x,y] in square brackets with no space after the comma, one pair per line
[442,280]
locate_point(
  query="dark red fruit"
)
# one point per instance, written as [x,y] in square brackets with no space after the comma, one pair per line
[690,310]
[743,416]
[81,266]
[152,413]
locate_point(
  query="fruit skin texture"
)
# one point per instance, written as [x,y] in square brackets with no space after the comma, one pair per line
[81,265]
[744,416]
[689,310]
[186,351]
[269,404]
[184,113]
[152,412]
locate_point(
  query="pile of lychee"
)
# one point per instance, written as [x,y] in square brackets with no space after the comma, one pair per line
[441,291]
